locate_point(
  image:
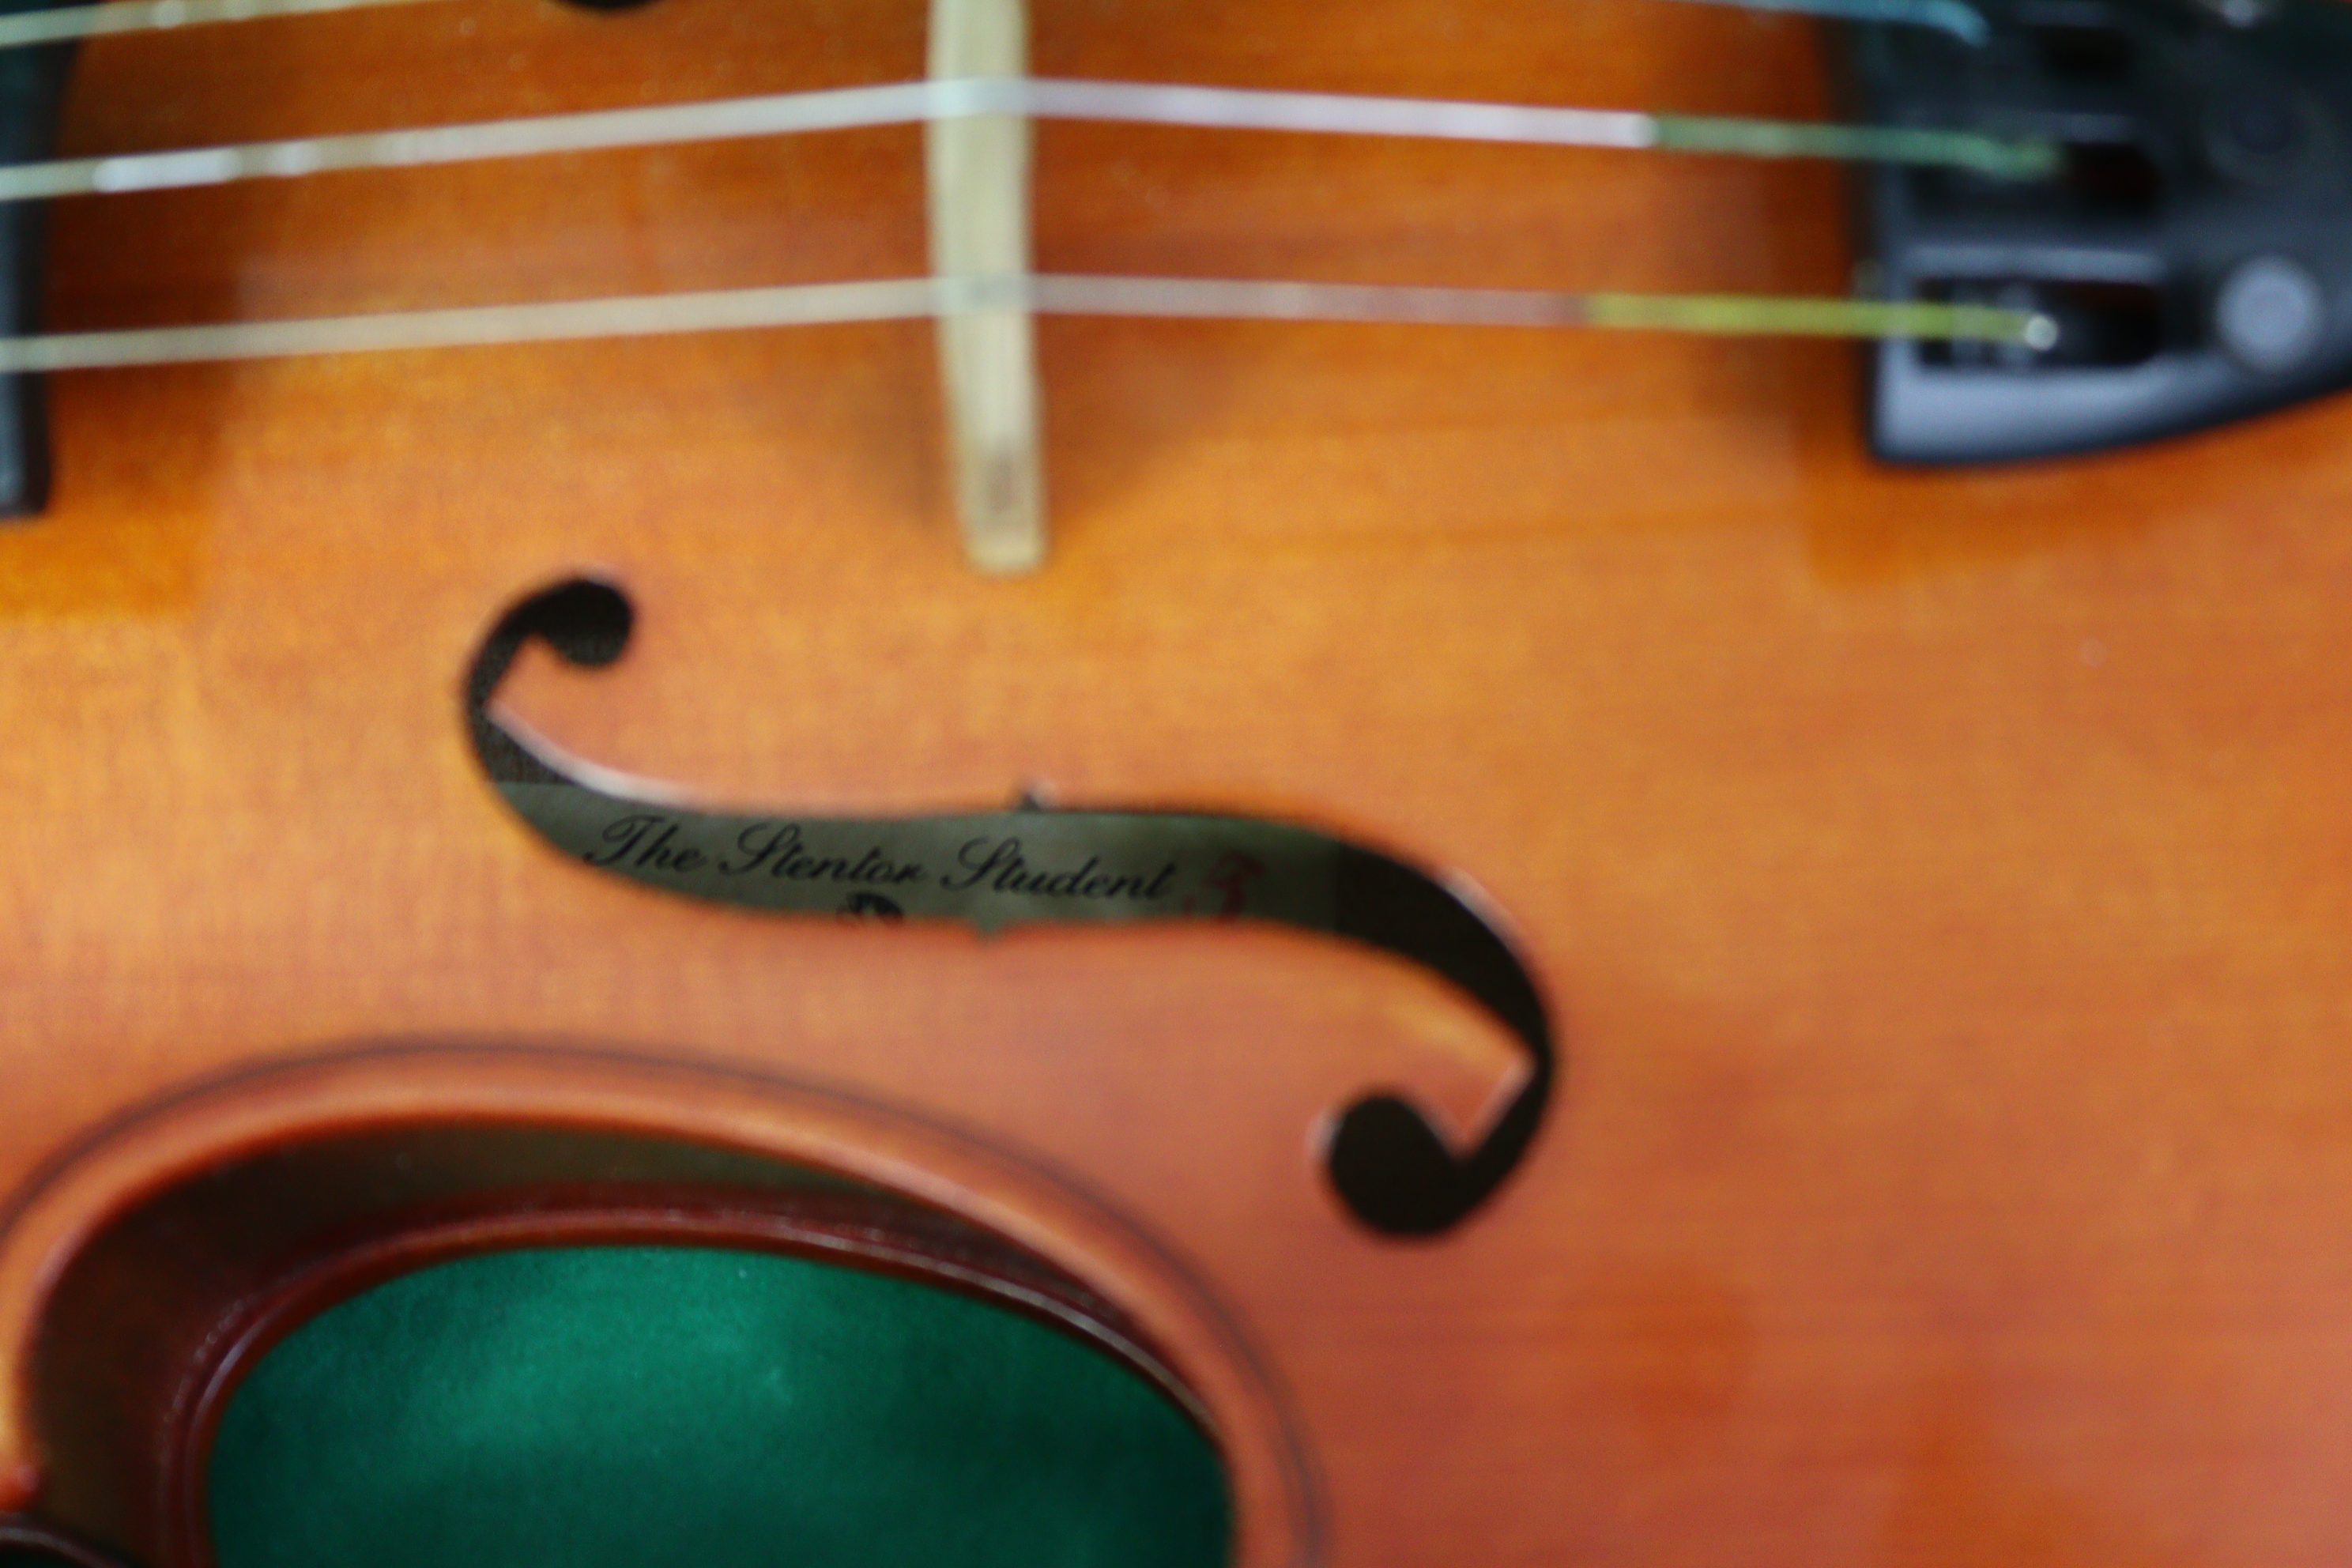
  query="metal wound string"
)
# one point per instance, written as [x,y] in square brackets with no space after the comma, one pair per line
[912,299]
[920,102]
[26,28]
[1955,17]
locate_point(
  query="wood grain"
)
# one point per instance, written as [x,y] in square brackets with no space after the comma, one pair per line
[1942,878]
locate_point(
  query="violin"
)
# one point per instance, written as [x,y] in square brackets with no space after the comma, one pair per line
[1524,784]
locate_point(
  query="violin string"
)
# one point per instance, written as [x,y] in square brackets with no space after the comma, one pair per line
[913,103]
[909,298]
[26,28]
[1956,18]
[64,24]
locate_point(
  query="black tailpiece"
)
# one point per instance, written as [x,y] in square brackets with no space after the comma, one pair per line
[2195,254]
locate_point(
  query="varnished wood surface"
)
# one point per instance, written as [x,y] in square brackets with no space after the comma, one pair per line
[1942,880]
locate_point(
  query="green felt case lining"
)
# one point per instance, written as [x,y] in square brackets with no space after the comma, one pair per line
[644,1406]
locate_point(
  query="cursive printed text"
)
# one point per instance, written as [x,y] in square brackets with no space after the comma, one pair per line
[656,844]
[999,863]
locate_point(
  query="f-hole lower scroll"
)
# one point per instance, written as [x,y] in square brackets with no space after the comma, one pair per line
[1391,1168]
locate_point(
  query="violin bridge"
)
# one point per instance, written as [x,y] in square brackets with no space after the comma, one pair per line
[979,219]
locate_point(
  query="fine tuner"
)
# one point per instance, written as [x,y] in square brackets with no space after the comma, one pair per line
[2074,235]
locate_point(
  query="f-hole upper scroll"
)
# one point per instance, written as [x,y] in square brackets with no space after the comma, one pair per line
[1388,1165]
